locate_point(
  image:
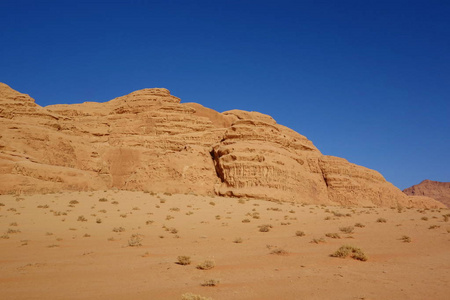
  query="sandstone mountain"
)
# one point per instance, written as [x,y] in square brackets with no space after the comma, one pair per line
[437,190]
[149,141]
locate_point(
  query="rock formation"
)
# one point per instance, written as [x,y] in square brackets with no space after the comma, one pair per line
[149,141]
[439,191]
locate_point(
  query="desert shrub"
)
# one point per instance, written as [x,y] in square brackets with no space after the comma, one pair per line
[424,218]
[347,229]
[299,233]
[206,265]
[149,222]
[360,225]
[218,217]
[135,240]
[212,203]
[333,235]
[210,282]
[265,227]
[317,241]
[434,226]
[81,219]
[98,220]
[13,224]
[190,296]
[354,253]
[381,220]
[238,240]
[405,239]
[279,251]
[73,202]
[115,202]
[183,260]
[103,200]
[246,221]
[118,229]
[169,217]
[174,209]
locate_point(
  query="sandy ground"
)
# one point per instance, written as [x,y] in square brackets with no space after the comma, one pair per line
[49,252]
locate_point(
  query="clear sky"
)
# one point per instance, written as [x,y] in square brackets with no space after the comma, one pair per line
[365,80]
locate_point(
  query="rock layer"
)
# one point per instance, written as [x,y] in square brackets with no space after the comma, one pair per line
[149,140]
[437,190]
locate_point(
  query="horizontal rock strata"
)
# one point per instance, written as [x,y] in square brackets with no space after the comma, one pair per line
[149,140]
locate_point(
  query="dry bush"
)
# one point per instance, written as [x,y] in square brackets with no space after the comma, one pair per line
[103,200]
[347,250]
[81,219]
[299,233]
[190,296]
[405,239]
[183,260]
[347,229]
[135,240]
[212,203]
[265,227]
[73,202]
[360,225]
[238,240]
[279,251]
[317,241]
[424,218]
[118,229]
[246,221]
[210,282]
[434,226]
[333,235]
[206,265]
[381,220]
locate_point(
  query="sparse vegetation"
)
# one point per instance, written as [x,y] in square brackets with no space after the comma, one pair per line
[405,239]
[347,250]
[135,240]
[299,233]
[347,229]
[246,221]
[333,235]
[183,260]
[190,296]
[279,251]
[434,226]
[360,225]
[381,220]
[206,265]
[81,219]
[103,200]
[118,229]
[265,227]
[317,241]
[210,282]
[238,240]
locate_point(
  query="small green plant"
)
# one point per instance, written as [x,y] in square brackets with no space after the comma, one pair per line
[347,250]
[206,265]
[183,260]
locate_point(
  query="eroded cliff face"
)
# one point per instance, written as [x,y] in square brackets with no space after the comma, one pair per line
[149,141]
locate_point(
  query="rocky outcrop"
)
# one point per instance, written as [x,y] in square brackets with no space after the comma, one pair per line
[149,140]
[437,190]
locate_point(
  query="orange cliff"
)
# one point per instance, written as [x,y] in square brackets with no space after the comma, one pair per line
[149,141]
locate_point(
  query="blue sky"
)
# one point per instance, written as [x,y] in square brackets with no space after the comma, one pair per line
[365,80]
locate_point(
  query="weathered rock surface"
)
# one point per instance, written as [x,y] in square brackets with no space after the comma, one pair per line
[437,190]
[149,141]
